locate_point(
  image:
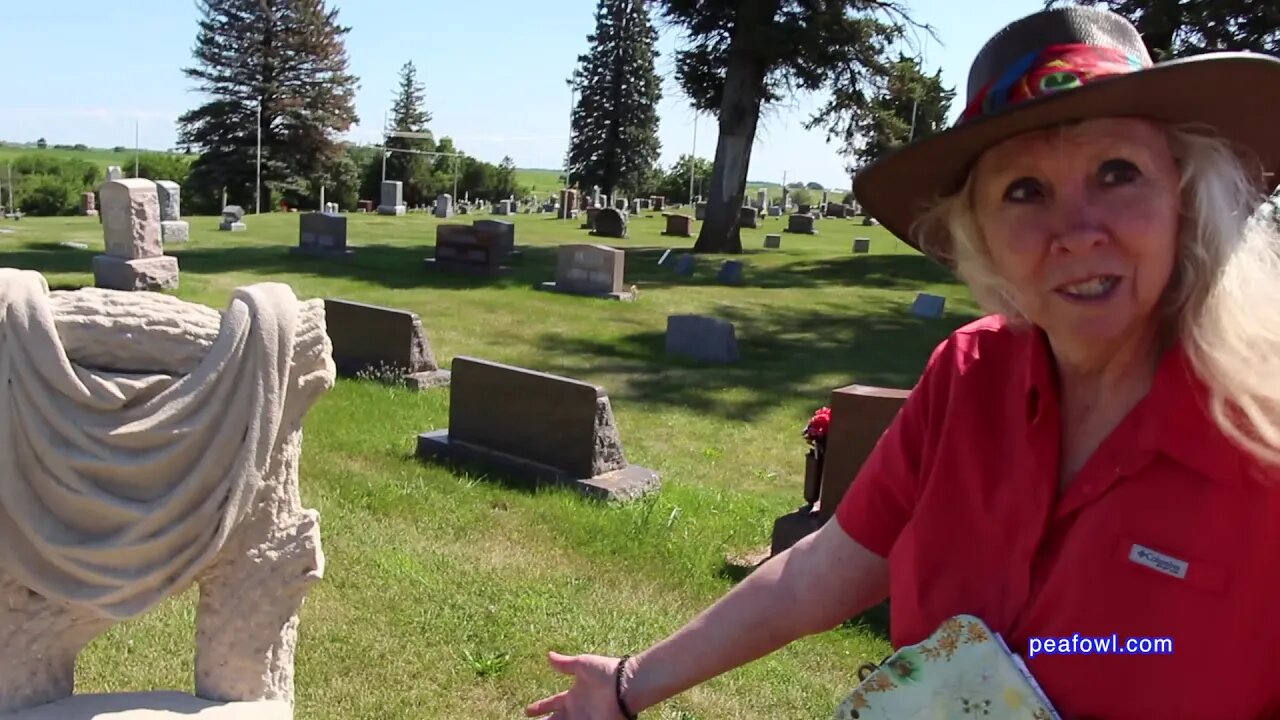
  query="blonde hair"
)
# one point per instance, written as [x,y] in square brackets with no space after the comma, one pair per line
[1223,300]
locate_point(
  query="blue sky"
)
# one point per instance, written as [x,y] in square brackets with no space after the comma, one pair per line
[494,70]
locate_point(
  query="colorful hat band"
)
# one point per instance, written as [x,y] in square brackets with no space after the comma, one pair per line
[1048,71]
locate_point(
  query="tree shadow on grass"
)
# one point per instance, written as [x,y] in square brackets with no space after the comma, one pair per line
[888,272]
[786,352]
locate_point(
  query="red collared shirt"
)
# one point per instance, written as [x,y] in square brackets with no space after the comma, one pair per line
[1168,531]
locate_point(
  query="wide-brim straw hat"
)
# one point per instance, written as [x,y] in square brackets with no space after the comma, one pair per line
[1064,65]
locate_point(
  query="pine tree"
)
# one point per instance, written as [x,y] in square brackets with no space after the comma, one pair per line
[1178,28]
[409,114]
[912,105]
[285,57]
[744,55]
[614,139]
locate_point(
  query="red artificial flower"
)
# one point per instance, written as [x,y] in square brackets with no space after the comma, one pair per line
[817,427]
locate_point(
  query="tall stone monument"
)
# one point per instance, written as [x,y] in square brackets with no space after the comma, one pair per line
[392,198]
[88,204]
[173,229]
[135,258]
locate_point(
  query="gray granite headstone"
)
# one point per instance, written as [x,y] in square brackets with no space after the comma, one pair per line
[730,273]
[381,342]
[773,242]
[392,198]
[928,306]
[748,217]
[232,216]
[701,338]
[862,245]
[322,234]
[684,265]
[610,222]
[801,223]
[536,426]
[444,205]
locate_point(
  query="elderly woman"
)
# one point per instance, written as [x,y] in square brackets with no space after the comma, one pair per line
[1097,456]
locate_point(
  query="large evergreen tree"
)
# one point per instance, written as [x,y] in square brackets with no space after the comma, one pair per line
[614,139]
[911,105]
[743,55]
[1178,28]
[285,57]
[409,114]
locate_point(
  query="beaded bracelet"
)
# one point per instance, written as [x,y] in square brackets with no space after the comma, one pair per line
[617,686]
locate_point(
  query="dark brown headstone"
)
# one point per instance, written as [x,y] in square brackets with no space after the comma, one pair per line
[610,222]
[678,225]
[859,416]
[536,425]
[467,250]
[382,342]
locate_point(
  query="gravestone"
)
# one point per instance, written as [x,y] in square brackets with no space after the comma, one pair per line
[762,200]
[748,217]
[610,222]
[503,230]
[775,211]
[678,225]
[503,207]
[114,173]
[134,258]
[701,338]
[88,204]
[658,202]
[684,265]
[801,223]
[700,211]
[444,205]
[232,219]
[392,198]
[322,235]
[803,208]
[834,210]
[173,229]
[637,206]
[773,242]
[862,245]
[620,204]
[467,250]
[860,414]
[537,427]
[589,223]
[364,206]
[381,342]
[593,270]
[928,306]
[730,273]
[868,221]
[568,204]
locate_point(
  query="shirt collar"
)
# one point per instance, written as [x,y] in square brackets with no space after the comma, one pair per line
[1174,416]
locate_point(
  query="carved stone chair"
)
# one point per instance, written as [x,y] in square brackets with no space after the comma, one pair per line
[149,444]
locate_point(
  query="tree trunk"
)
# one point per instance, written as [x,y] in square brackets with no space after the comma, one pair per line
[739,115]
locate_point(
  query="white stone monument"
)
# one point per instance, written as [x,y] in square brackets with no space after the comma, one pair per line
[114,173]
[392,198]
[180,427]
[134,258]
[173,229]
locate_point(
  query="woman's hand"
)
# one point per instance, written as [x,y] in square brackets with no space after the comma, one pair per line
[592,695]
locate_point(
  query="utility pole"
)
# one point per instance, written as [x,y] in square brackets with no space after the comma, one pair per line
[257,187]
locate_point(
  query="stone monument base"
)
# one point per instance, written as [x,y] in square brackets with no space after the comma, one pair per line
[175,231]
[427,379]
[391,209]
[162,705]
[552,286]
[90,213]
[153,273]
[233,227]
[794,527]
[628,483]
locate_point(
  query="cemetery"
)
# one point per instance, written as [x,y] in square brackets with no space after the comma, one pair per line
[428,461]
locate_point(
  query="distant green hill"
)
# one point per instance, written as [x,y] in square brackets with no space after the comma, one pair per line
[542,181]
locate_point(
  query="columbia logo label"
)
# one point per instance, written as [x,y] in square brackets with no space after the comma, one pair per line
[1158,561]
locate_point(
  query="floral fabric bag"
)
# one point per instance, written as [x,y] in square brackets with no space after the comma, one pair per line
[962,671]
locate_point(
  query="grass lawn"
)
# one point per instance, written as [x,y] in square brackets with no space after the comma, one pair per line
[443,590]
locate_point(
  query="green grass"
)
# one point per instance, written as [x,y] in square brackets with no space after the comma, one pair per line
[444,589]
[97,156]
